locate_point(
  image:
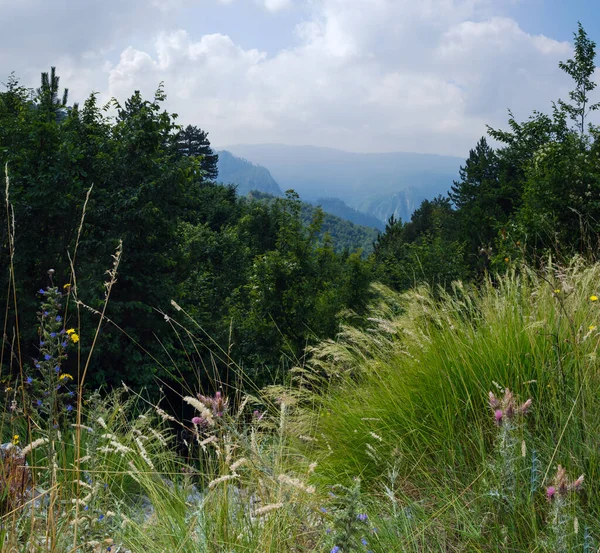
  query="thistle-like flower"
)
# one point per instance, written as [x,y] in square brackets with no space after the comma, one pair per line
[507,408]
[562,485]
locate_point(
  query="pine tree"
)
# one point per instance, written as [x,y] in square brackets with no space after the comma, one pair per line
[193,141]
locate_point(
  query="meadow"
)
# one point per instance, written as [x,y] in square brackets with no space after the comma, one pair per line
[459,420]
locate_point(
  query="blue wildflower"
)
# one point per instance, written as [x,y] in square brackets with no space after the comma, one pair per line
[100,518]
[64,344]
[86,508]
[39,403]
[71,394]
[323,509]
[328,530]
[46,313]
[47,357]
[53,334]
[41,291]
[42,343]
[364,542]
[29,380]
[56,370]
[62,331]
[335,549]
[58,318]
[69,408]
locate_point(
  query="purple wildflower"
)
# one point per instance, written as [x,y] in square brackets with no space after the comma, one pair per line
[362,517]
[550,492]
[335,549]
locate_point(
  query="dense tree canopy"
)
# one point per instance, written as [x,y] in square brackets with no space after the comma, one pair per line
[258,278]
[536,193]
[261,276]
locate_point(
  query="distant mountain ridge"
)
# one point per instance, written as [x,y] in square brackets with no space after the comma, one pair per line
[337,207]
[249,177]
[359,180]
[245,175]
[400,204]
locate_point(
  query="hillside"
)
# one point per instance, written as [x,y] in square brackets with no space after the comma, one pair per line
[399,204]
[344,234]
[246,175]
[337,207]
[355,178]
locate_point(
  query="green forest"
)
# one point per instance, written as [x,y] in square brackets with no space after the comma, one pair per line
[262,279]
[311,387]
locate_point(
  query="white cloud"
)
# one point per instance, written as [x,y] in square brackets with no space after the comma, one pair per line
[277,5]
[365,75]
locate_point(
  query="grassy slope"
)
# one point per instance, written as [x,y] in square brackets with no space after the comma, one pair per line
[402,405]
[420,380]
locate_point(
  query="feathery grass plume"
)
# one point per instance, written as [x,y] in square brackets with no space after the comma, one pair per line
[295,483]
[221,479]
[33,445]
[267,509]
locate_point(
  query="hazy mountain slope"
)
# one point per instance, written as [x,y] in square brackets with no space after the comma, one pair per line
[337,207]
[343,233]
[400,204]
[354,178]
[246,175]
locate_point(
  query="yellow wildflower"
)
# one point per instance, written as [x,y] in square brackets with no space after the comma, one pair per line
[592,327]
[67,286]
[15,439]
[74,337]
[594,298]
[557,291]
[66,376]
[70,331]
[506,259]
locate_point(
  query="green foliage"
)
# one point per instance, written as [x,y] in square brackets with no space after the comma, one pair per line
[408,396]
[225,259]
[580,69]
[534,195]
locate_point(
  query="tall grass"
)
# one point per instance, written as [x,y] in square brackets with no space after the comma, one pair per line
[410,394]
[447,421]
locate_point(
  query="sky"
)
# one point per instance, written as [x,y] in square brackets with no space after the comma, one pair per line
[358,75]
